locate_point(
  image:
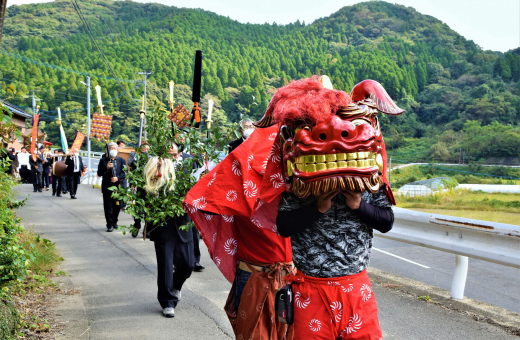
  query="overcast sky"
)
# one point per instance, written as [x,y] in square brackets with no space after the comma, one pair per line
[492,24]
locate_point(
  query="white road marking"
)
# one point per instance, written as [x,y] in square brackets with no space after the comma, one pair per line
[401,258]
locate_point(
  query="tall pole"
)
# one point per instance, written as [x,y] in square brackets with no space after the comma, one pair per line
[89,180]
[143,123]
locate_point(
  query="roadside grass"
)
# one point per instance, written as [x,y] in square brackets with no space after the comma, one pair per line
[496,207]
[31,296]
[502,217]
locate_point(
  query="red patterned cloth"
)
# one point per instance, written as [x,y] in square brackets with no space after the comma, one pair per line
[334,308]
[244,190]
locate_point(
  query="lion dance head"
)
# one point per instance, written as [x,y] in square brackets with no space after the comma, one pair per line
[328,139]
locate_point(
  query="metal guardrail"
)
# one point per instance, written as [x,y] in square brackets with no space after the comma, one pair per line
[464,237]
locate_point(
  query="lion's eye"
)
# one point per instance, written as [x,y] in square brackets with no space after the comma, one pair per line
[302,127]
[358,122]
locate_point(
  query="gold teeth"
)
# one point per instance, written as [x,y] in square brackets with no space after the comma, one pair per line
[360,184]
[361,159]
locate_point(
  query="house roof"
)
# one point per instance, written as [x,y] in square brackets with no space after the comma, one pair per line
[14,110]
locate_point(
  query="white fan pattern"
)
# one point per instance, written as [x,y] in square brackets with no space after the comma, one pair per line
[231,195]
[199,203]
[231,246]
[315,325]
[250,189]
[366,292]
[235,167]
[300,302]
[337,310]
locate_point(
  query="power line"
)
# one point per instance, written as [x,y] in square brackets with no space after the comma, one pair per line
[84,20]
[60,68]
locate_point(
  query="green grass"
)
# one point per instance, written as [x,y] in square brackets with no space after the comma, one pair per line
[495,207]
[28,294]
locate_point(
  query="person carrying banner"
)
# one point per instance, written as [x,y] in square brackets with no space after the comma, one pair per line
[111,168]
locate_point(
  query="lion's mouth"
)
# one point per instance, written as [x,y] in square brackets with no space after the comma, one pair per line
[311,164]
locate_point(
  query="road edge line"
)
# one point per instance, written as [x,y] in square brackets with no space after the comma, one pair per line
[478,310]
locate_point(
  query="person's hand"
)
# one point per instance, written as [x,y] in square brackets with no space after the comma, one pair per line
[352,199]
[114,179]
[110,165]
[324,201]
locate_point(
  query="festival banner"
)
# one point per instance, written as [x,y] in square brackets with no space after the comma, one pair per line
[34,136]
[78,141]
[64,144]
[180,116]
[101,126]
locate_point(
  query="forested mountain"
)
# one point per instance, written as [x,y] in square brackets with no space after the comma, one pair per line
[450,87]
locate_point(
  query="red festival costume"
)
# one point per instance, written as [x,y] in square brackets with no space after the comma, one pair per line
[312,140]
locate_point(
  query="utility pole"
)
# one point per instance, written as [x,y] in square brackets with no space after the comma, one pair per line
[146,74]
[34,99]
[89,179]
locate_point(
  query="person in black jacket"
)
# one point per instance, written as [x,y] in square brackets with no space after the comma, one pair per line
[246,129]
[8,154]
[111,168]
[47,164]
[74,168]
[57,182]
[173,246]
[36,170]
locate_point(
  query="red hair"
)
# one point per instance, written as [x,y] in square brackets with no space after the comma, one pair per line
[306,100]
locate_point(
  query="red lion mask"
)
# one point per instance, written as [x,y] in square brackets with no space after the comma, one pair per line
[328,139]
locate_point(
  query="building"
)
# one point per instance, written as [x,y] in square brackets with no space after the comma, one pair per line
[19,118]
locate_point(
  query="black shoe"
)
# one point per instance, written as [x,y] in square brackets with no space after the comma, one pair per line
[110,229]
[58,195]
[65,192]
[39,190]
[35,190]
[135,233]
[53,194]
[198,267]
[73,197]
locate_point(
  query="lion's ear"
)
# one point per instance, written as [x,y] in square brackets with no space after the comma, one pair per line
[375,91]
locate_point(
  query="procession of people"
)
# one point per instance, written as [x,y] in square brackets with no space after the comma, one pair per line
[287,217]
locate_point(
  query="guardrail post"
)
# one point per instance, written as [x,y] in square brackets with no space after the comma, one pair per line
[459,277]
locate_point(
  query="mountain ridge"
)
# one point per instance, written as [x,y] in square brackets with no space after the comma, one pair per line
[442,79]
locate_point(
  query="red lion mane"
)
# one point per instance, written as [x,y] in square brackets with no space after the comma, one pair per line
[306,100]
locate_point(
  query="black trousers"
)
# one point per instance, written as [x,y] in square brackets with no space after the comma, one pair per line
[57,184]
[64,184]
[111,208]
[37,180]
[196,248]
[45,178]
[170,253]
[72,183]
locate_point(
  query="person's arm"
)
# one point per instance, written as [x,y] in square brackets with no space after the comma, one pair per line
[294,217]
[122,175]
[378,218]
[102,169]
[377,215]
[295,221]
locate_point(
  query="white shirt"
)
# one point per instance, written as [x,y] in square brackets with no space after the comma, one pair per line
[23,159]
[76,164]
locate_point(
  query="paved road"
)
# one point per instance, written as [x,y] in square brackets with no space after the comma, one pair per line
[116,276]
[492,283]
